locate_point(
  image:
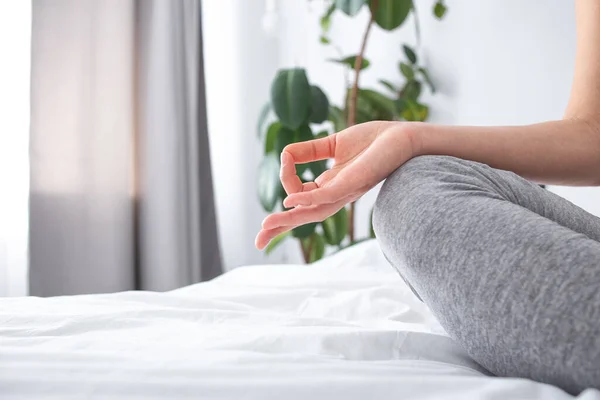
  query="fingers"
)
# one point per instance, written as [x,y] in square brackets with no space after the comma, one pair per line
[287,174]
[266,235]
[326,176]
[300,153]
[338,190]
[349,180]
[301,215]
[276,224]
[308,186]
[290,181]
[312,150]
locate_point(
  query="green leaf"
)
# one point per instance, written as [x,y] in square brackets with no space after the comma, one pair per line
[304,231]
[415,111]
[326,18]
[336,115]
[321,135]
[439,10]
[412,90]
[390,14]
[350,7]
[382,106]
[262,118]
[335,228]
[319,105]
[271,137]
[317,247]
[277,240]
[422,112]
[425,74]
[409,111]
[324,40]
[410,54]
[284,137]
[290,96]
[407,71]
[350,61]
[364,110]
[317,168]
[400,105]
[303,134]
[268,182]
[389,85]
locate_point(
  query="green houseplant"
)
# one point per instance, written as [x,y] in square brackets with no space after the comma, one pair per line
[296,107]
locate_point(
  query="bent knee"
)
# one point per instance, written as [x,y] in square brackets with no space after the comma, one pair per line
[423,180]
[419,201]
[409,188]
[403,202]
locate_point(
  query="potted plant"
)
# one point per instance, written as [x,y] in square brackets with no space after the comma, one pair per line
[296,107]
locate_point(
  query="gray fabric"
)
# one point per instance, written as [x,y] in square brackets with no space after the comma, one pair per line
[121,193]
[178,234]
[511,270]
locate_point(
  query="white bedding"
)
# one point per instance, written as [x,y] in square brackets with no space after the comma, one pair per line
[344,328]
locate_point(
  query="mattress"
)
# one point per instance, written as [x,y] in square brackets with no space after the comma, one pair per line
[346,327]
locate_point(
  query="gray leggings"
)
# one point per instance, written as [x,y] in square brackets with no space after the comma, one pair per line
[511,270]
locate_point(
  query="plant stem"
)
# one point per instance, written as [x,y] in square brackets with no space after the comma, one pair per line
[351,221]
[310,246]
[354,99]
[357,65]
[417,25]
[305,254]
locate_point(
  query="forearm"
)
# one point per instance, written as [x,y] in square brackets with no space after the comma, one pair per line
[565,152]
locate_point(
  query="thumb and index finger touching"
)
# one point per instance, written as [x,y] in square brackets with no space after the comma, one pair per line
[311,193]
[300,153]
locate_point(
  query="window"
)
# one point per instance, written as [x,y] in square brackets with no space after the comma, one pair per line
[15,39]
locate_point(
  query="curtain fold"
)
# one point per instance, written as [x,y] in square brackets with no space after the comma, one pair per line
[177,218]
[121,193]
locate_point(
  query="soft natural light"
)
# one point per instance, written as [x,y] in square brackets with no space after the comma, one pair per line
[15,37]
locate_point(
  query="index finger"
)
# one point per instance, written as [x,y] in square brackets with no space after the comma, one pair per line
[312,150]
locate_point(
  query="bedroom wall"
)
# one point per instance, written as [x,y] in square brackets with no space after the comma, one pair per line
[494,63]
[240,60]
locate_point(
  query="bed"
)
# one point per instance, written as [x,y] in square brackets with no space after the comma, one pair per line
[346,327]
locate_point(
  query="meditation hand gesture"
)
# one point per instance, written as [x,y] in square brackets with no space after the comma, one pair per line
[363,155]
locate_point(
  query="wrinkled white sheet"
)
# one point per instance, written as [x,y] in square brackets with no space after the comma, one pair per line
[344,328]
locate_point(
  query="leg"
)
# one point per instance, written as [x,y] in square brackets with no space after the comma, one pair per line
[512,271]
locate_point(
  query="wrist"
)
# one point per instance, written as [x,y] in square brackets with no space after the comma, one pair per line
[415,132]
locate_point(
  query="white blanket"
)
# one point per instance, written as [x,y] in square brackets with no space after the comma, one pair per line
[344,328]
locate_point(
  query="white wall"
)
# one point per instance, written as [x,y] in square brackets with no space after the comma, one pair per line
[240,61]
[494,63]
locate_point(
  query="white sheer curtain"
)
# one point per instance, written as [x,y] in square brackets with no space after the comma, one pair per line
[15,36]
[81,144]
[121,192]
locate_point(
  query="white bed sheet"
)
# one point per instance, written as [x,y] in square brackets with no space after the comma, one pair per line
[344,328]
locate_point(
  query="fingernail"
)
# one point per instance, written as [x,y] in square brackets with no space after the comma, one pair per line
[267,225]
[290,202]
[284,158]
[256,242]
[294,202]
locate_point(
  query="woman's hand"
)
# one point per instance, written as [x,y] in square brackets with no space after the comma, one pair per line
[363,154]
